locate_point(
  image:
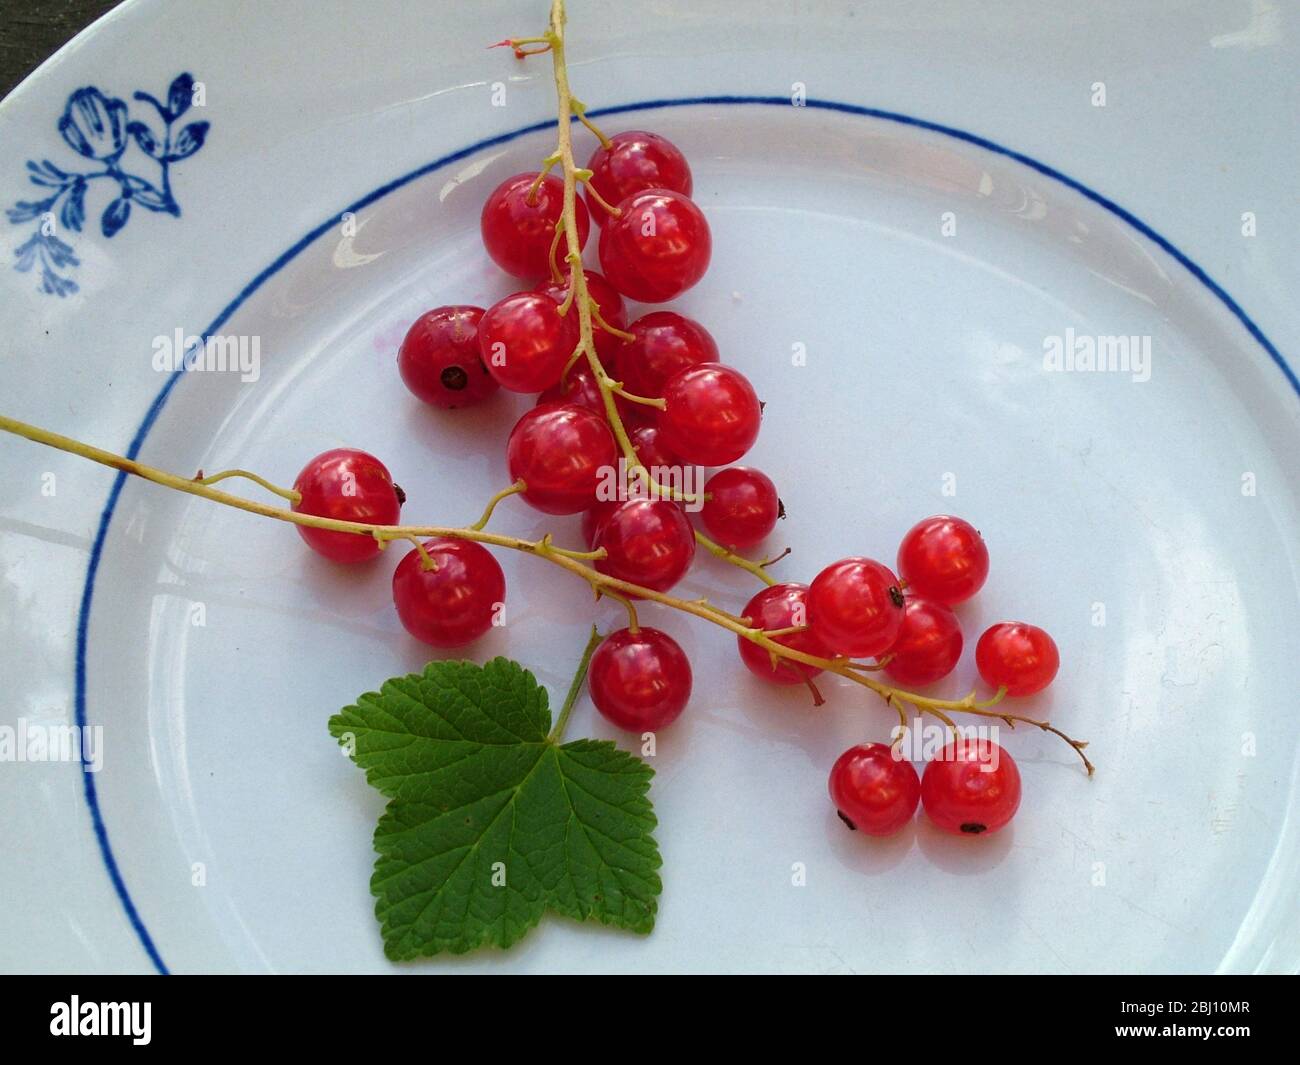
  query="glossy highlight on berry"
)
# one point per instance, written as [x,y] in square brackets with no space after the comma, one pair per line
[663,343]
[578,388]
[640,681]
[928,645]
[1017,656]
[657,248]
[711,415]
[525,342]
[347,485]
[741,506]
[559,452]
[451,599]
[635,161]
[648,542]
[518,226]
[856,608]
[943,559]
[874,791]
[972,788]
[439,359]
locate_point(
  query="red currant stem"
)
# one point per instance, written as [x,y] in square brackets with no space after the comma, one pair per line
[568,366]
[579,293]
[575,687]
[1047,726]
[789,630]
[952,725]
[573,561]
[580,109]
[747,622]
[902,721]
[726,555]
[646,401]
[633,622]
[967,704]
[556,276]
[818,698]
[774,559]
[547,545]
[569,219]
[547,164]
[601,202]
[514,489]
[872,667]
[622,334]
[284,493]
[426,560]
[517,42]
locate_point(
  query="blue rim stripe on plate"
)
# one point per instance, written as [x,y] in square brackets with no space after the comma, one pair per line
[151,415]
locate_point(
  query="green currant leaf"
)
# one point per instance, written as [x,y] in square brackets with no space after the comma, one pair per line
[490,822]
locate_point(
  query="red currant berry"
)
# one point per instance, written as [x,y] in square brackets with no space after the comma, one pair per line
[647,442]
[579,389]
[1021,658]
[928,644]
[560,453]
[346,485]
[780,606]
[973,787]
[874,791]
[741,506]
[593,518]
[456,600]
[647,542]
[607,300]
[855,607]
[633,162]
[439,359]
[518,230]
[943,559]
[641,680]
[525,342]
[711,415]
[664,343]
[657,248]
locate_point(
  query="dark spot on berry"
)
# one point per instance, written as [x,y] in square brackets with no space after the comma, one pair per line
[454,378]
[780,508]
[896,596]
[401,495]
[973,828]
[840,815]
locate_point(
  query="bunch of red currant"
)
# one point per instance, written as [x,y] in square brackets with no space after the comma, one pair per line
[654,245]
[855,607]
[656,392]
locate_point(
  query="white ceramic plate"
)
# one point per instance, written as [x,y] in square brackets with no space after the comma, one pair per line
[950,197]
